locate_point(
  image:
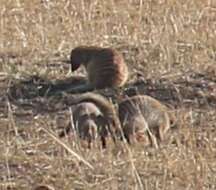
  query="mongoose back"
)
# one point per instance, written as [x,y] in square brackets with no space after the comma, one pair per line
[105,66]
[143,107]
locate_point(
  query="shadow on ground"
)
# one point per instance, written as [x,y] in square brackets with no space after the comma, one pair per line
[42,95]
[36,86]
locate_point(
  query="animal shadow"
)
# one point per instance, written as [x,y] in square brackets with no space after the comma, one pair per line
[40,94]
[36,86]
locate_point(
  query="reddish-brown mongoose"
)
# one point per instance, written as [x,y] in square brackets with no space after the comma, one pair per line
[105,66]
[109,120]
[133,111]
[87,123]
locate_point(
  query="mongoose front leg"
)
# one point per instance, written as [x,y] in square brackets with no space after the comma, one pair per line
[161,132]
[103,141]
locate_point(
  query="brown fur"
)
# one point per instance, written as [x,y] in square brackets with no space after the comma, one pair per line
[143,112]
[105,66]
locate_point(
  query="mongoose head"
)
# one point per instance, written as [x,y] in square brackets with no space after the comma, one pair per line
[76,58]
[87,130]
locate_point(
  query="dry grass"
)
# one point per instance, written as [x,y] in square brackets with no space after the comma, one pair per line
[162,39]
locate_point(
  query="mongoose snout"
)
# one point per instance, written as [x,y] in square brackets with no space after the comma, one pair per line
[84,121]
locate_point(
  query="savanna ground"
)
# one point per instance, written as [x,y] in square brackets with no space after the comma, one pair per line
[170,48]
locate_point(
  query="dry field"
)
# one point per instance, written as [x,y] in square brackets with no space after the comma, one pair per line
[170,48]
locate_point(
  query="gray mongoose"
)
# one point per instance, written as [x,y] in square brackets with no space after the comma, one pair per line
[109,120]
[87,123]
[135,129]
[143,108]
[105,67]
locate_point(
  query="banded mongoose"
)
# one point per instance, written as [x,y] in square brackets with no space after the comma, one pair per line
[138,109]
[105,67]
[87,123]
[137,116]
[109,120]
